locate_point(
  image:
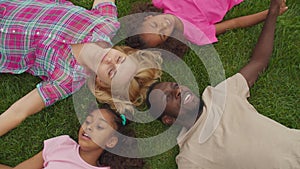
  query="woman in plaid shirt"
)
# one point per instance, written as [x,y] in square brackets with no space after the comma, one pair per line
[53,39]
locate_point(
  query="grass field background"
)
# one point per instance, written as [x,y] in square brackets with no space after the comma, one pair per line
[276,94]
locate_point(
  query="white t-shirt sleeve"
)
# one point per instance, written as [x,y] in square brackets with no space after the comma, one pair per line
[235,84]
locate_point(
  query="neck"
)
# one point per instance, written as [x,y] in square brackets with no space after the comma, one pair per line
[90,157]
[189,121]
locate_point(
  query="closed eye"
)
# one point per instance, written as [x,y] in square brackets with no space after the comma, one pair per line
[175,85]
[120,59]
[112,73]
[153,24]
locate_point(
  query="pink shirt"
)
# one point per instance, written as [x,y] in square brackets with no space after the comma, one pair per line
[198,16]
[63,153]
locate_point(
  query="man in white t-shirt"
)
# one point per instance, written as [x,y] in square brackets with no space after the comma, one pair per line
[223,130]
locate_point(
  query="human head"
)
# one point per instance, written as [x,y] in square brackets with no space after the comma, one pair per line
[142,13]
[156,29]
[98,130]
[102,125]
[148,71]
[170,102]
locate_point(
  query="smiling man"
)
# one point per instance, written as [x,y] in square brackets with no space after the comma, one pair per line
[223,130]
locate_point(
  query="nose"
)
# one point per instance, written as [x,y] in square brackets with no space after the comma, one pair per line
[164,26]
[178,92]
[88,127]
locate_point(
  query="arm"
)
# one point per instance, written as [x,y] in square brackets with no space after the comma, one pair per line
[4,167]
[245,21]
[241,22]
[15,114]
[35,162]
[263,49]
[96,2]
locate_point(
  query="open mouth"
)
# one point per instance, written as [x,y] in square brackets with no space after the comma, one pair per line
[188,97]
[86,136]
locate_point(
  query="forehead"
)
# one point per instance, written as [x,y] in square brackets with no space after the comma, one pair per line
[157,96]
[102,115]
[164,86]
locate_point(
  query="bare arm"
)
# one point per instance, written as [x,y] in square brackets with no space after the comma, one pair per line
[15,114]
[35,162]
[241,22]
[4,167]
[96,2]
[264,46]
[245,21]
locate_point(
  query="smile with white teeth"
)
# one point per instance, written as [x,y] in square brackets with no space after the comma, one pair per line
[86,135]
[187,98]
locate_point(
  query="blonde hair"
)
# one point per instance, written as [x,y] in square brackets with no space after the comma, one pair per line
[149,71]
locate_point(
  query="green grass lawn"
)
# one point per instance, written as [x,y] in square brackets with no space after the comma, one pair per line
[276,94]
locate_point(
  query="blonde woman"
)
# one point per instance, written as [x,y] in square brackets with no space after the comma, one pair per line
[125,97]
[55,48]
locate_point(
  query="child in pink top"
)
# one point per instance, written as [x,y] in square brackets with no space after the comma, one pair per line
[97,133]
[198,20]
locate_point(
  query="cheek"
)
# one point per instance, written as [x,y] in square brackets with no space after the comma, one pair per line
[102,74]
[101,137]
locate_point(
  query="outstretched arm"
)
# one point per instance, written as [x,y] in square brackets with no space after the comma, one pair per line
[96,2]
[245,21]
[4,167]
[15,114]
[264,46]
[35,162]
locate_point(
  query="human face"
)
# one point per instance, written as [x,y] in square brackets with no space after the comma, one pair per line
[156,29]
[116,66]
[97,131]
[178,100]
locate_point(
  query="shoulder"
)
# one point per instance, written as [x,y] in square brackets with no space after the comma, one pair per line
[157,3]
[236,84]
[60,140]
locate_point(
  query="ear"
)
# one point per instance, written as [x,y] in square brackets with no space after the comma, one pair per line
[112,142]
[148,17]
[168,120]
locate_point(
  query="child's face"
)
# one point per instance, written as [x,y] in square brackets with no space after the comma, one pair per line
[156,29]
[118,66]
[97,131]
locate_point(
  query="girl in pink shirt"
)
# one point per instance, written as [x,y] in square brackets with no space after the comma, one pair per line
[96,134]
[199,21]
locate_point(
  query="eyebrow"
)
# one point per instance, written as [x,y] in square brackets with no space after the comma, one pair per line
[102,119]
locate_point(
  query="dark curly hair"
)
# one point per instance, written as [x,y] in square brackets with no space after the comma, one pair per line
[115,161]
[174,45]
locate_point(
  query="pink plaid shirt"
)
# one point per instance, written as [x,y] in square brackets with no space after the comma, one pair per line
[36,36]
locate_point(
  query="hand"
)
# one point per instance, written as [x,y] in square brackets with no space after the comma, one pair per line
[283,7]
[278,6]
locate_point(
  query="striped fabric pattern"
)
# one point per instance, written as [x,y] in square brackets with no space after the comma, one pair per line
[35,37]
